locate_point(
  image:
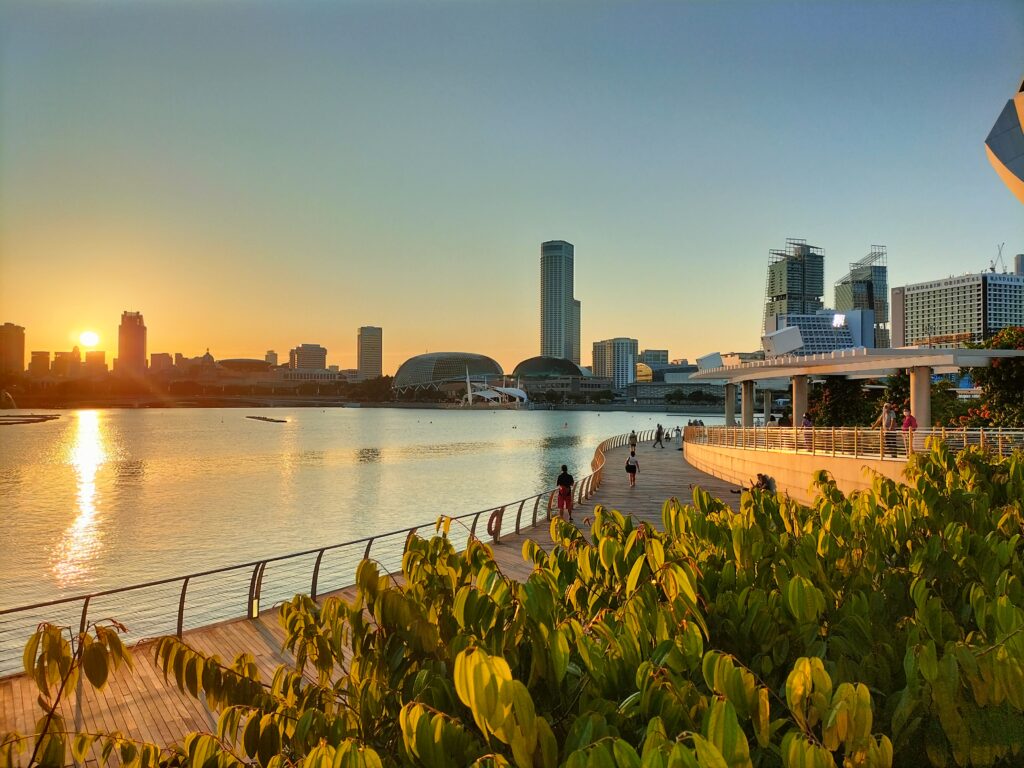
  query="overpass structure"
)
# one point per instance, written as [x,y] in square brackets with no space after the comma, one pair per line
[857,363]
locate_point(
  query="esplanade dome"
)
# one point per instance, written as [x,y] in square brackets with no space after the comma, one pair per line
[435,367]
[546,367]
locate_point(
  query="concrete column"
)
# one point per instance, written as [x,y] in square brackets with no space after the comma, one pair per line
[730,405]
[799,398]
[921,395]
[767,406]
[747,403]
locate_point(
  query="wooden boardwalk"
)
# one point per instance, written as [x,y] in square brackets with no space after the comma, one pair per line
[141,704]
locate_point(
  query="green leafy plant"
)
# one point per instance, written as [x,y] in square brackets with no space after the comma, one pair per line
[877,629]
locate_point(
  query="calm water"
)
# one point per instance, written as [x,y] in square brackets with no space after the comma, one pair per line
[105,498]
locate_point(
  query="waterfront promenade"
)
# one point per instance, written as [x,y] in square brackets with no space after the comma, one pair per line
[142,705]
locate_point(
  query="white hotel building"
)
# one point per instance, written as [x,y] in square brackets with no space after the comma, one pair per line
[956,310]
[616,359]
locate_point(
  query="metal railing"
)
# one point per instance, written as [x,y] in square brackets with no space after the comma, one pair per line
[856,442]
[173,605]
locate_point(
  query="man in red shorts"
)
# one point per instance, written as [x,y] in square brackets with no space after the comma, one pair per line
[565,485]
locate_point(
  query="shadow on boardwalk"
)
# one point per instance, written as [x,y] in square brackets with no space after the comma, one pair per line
[145,706]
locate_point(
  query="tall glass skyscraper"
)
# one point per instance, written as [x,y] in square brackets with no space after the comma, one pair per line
[131,345]
[866,286]
[559,310]
[796,281]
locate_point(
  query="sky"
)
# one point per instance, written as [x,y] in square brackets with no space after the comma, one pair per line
[256,175]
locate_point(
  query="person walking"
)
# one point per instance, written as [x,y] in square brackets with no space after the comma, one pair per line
[658,434]
[565,486]
[909,427]
[886,422]
[632,440]
[632,467]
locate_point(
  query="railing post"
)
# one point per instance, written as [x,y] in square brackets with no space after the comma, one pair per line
[408,538]
[856,447]
[551,498]
[472,531]
[519,514]
[813,446]
[982,436]
[999,437]
[316,574]
[181,607]
[366,552]
[536,504]
[255,587]
[833,442]
[85,613]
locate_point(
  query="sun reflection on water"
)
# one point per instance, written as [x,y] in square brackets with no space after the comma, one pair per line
[81,540]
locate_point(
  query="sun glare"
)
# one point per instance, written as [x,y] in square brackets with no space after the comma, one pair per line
[89,339]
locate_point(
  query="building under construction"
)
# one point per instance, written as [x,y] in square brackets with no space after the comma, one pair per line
[866,286]
[796,281]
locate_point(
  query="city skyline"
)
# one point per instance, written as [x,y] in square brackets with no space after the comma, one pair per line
[399,163]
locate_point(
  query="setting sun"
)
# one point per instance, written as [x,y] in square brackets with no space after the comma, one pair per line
[89,339]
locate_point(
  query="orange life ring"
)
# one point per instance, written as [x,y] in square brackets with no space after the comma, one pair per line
[494,524]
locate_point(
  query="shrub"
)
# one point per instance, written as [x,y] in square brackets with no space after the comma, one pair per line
[881,628]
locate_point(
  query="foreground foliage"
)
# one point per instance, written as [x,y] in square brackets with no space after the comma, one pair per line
[881,629]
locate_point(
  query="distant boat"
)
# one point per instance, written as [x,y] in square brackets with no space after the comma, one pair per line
[267,418]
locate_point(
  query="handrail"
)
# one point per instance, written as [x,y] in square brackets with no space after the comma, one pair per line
[214,590]
[853,442]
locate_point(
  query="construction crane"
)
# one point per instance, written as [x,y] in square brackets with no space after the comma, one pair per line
[998,260]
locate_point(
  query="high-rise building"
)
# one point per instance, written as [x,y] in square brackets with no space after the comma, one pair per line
[160,361]
[308,356]
[369,353]
[39,364]
[12,348]
[271,357]
[131,345]
[796,280]
[956,310]
[615,359]
[654,356]
[559,310]
[67,364]
[1018,264]
[95,363]
[866,286]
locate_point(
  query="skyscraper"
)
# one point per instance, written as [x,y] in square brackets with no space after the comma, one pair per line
[796,281]
[12,348]
[559,310]
[131,345]
[369,353]
[615,359]
[308,356]
[866,286]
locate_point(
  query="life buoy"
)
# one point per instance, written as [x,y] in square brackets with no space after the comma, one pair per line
[494,524]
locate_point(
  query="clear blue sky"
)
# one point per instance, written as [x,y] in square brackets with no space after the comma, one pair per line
[257,175]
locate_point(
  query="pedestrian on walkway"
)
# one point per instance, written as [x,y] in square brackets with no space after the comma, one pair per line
[658,434]
[565,488]
[909,428]
[632,467]
[632,440]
